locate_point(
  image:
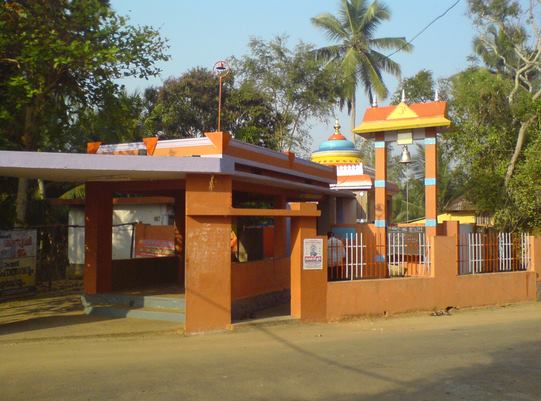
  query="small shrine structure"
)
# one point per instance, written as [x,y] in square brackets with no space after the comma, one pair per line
[403,124]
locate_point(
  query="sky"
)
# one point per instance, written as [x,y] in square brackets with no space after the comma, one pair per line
[203,32]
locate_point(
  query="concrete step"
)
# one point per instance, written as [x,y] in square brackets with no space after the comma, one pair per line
[118,311]
[264,322]
[133,301]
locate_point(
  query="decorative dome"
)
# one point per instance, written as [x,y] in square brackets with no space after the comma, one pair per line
[337,141]
[336,150]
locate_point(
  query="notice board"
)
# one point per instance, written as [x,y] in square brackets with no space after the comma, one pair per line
[18,250]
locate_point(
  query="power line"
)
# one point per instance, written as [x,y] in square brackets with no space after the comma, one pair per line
[425,28]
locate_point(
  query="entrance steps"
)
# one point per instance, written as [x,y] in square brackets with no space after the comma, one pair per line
[151,307]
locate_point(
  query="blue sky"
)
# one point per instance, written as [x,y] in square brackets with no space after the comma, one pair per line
[202,32]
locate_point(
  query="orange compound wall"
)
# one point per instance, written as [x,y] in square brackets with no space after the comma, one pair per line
[444,288]
[259,277]
[268,242]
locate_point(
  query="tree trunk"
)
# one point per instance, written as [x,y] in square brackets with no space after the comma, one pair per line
[353,115]
[518,149]
[21,202]
[22,188]
[41,189]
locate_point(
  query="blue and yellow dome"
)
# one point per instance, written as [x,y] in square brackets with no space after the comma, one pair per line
[337,150]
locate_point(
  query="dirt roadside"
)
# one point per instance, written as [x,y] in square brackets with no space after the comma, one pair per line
[58,315]
[481,354]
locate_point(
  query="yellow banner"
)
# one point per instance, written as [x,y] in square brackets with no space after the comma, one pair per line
[17,274]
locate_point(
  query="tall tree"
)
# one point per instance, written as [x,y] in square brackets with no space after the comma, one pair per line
[358,52]
[59,55]
[419,88]
[298,86]
[187,106]
[483,138]
[117,117]
[509,41]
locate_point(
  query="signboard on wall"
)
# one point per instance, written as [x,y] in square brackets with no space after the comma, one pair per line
[154,248]
[312,257]
[17,261]
[154,241]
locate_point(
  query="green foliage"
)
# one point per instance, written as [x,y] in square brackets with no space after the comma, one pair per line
[409,203]
[367,152]
[483,139]
[188,107]
[66,55]
[8,188]
[418,89]
[58,60]
[296,84]
[358,51]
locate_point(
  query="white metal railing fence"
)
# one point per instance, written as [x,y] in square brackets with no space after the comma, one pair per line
[408,254]
[490,253]
[355,256]
[346,257]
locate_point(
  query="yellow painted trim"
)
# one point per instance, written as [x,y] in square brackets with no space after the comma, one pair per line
[332,160]
[380,126]
[461,218]
[402,111]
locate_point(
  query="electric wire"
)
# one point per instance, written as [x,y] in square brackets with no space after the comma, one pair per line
[424,29]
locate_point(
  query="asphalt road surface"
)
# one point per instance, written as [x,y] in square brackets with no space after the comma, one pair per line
[483,354]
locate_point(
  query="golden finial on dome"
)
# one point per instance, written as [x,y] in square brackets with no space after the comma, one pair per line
[337,127]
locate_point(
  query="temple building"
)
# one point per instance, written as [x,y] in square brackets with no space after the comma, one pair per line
[280,206]
[352,175]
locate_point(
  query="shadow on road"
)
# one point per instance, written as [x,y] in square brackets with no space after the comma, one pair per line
[42,312]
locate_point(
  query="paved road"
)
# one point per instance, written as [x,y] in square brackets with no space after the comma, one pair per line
[484,354]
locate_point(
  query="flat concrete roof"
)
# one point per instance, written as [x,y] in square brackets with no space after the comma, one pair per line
[81,167]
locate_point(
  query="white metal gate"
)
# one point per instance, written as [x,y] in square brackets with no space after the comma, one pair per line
[404,248]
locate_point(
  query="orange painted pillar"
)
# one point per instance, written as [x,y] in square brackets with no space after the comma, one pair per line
[180,234]
[208,253]
[380,185]
[308,287]
[431,188]
[535,256]
[279,228]
[98,273]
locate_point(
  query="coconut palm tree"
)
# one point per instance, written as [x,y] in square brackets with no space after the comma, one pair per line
[357,49]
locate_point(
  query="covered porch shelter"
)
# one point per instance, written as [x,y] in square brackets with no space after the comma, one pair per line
[214,180]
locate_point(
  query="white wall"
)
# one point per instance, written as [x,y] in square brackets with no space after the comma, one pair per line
[152,214]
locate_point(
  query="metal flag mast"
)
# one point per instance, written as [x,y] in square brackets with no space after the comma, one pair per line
[221,69]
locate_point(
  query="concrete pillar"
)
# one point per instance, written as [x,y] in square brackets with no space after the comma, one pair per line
[308,287]
[431,188]
[208,253]
[535,256]
[380,185]
[98,273]
[280,234]
[180,233]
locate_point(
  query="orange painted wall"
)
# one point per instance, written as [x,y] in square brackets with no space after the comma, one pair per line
[259,277]
[268,242]
[444,288]
[208,255]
